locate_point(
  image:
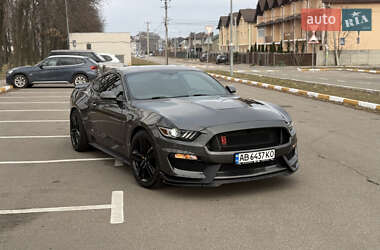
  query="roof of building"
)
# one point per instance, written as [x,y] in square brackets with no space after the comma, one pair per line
[248,15]
[234,15]
[222,21]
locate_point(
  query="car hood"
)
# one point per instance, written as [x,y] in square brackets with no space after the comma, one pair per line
[197,113]
[23,68]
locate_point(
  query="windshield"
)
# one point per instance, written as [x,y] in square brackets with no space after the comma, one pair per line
[171,84]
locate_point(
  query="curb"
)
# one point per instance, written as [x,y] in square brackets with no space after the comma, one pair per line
[340,69]
[5,89]
[330,98]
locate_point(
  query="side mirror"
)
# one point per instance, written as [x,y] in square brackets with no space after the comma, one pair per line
[41,66]
[109,95]
[231,89]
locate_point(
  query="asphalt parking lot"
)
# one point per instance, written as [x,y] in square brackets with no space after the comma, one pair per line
[52,197]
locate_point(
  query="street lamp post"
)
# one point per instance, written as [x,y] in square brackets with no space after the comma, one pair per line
[231,44]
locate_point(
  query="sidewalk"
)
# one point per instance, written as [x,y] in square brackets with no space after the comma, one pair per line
[361,70]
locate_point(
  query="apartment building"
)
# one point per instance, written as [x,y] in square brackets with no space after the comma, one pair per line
[224,32]
[223,38]
[246,29]
[279,23]
[243,31]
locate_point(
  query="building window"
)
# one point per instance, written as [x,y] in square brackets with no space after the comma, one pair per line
[89,46]
[261,32]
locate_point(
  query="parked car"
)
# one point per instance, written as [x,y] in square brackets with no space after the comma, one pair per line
[111,60]
[222,59]
[87,53]
[203,57]
[180,126]
[54,69]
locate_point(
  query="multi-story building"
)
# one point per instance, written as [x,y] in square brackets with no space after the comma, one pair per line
[243,31]
[223,38]
[279,23]
[246,30]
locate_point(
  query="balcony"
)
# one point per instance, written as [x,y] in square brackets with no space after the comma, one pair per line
[288,35]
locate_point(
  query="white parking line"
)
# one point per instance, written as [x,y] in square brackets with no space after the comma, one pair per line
[116,206]
[55,161]
[54,209]
[37,96]
[34,136]
[117,211]
[39,92]
[33,110]
[31,102]
[33,121]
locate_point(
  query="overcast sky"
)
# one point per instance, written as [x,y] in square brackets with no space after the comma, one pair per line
[185,15]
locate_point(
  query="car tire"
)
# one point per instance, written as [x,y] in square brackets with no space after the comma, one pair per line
[80,79]
[78,133]
[20,81]
[144,161]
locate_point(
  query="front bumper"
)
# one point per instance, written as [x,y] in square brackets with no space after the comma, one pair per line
[8,79]
[217,168]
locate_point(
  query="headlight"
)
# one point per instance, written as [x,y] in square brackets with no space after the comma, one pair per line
[178,134]
[10,72]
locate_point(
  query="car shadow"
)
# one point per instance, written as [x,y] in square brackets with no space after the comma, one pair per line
[243,188]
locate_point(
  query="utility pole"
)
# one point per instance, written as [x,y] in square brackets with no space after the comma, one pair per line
[147,39]
[231,47]
[166,30]
[67,26]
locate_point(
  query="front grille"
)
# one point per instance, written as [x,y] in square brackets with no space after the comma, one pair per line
[188,165]
[249,139]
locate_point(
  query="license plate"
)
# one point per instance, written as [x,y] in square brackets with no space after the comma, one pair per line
[254,157]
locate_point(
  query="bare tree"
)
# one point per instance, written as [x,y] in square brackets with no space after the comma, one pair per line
[29,29]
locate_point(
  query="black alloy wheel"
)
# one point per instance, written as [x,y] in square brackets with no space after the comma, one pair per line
[77,133]
[144,161]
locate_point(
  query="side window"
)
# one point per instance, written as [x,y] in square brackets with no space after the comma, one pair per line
[50,62]
[108,82]
[79,61]
[66,61]
[116,87]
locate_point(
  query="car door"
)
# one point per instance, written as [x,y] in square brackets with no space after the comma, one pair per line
[47,70]
[108,115]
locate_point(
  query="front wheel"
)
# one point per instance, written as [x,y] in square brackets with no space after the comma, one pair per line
[144,161]
[80,79]
[78,134]
[20,81]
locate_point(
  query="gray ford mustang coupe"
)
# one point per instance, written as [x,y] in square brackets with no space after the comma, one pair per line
[180,126]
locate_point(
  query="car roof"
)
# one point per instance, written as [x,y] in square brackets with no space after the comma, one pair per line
[151,68]
[69,56]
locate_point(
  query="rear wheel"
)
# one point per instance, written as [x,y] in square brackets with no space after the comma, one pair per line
[78,134]
[80,79]
[144,161]
[20,81]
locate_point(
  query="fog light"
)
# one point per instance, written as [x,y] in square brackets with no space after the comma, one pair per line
[186,157]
